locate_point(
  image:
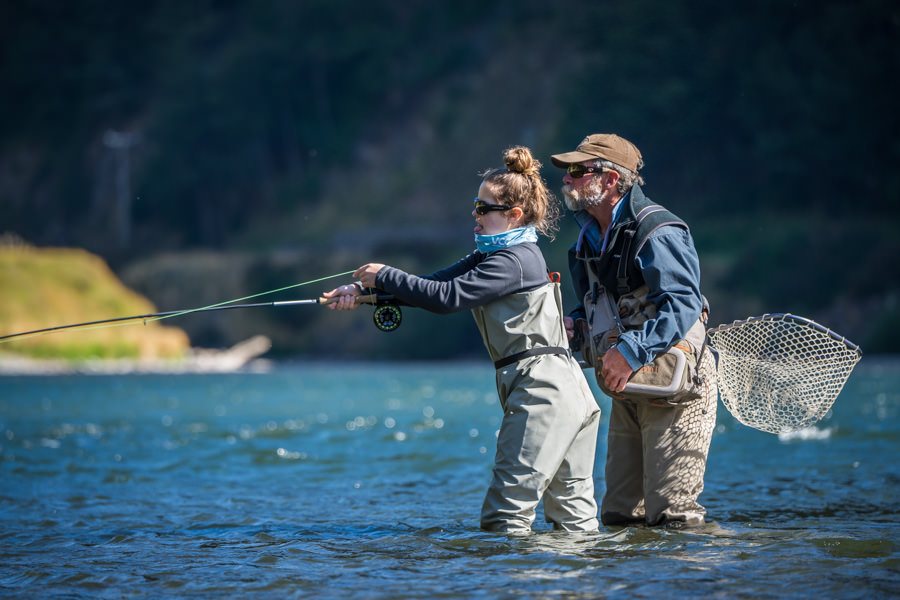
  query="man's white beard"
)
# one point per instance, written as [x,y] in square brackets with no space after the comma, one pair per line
[591,195]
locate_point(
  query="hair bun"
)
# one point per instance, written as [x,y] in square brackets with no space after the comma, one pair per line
[518,159]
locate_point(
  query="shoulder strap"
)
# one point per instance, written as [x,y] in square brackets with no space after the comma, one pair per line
[663,217]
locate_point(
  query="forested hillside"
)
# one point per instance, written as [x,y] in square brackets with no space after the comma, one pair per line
[214,149]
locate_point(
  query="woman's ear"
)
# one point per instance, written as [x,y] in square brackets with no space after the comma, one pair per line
[515,215]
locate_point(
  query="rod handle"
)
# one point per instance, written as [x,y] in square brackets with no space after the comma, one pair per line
[367,299]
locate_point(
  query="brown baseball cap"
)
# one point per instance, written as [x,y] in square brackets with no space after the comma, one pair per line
[607,146]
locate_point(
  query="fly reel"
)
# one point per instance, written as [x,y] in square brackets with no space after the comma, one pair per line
[387,317]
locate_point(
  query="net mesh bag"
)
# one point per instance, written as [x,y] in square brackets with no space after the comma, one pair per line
[779,372]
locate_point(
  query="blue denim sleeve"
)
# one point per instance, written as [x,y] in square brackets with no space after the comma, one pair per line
[671,270]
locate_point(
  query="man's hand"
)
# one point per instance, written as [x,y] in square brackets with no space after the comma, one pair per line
[569,324]
[615,371]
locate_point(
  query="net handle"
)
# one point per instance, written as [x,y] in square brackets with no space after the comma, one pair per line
[789,317]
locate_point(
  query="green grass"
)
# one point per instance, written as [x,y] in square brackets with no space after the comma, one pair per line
[48,287]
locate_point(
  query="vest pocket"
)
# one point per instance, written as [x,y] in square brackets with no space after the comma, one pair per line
[671,379]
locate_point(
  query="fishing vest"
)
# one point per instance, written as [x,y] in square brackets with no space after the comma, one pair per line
[616,301]
[616,268]
[523,324]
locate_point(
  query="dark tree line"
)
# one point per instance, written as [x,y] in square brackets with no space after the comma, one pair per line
[132,128]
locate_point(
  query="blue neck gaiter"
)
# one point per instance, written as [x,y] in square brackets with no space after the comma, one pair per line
[519,235]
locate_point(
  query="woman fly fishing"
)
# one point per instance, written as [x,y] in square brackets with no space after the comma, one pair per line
[547,439]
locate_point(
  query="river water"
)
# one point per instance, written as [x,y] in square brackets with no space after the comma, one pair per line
[366,480]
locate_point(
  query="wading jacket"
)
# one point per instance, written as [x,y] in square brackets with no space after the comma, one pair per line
[665,259]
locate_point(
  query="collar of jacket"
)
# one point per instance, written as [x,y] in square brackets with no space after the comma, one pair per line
[590,229]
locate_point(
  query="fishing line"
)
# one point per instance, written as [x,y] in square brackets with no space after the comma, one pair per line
[228,304]
[222,304]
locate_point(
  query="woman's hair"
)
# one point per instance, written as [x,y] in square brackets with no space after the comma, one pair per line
[520,184]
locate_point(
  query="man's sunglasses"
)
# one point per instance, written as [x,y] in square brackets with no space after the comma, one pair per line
[577,171]
[483,208]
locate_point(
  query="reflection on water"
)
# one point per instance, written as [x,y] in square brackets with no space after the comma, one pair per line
[367,480]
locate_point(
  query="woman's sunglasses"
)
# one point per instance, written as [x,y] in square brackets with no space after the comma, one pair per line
[577,171]
[483,208]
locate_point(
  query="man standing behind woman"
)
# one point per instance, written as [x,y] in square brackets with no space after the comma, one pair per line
[635,259]
[548,435]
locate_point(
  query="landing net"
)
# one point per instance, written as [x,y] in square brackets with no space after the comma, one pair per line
[780,372]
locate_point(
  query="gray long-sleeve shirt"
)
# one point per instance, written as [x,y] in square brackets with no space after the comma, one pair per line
[475,280]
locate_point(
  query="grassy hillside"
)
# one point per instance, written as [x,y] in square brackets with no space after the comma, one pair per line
[46,287]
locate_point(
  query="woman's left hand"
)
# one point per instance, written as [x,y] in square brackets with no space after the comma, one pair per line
[367,273]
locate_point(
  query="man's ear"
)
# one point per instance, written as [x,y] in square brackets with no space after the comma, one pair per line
[613,178]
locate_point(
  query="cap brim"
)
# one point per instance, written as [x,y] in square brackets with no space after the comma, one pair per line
[569,158]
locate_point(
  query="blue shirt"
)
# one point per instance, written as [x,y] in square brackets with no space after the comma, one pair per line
[671,269]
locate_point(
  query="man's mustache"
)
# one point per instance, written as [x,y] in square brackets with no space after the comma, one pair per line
[576,201]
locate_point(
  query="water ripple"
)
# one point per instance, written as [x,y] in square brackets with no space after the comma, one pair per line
[290,485]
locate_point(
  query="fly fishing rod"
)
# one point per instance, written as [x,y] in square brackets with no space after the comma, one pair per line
[387,314]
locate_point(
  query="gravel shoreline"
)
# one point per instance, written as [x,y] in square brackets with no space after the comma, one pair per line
[244,356]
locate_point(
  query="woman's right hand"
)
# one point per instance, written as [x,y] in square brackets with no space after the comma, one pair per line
[342,298]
